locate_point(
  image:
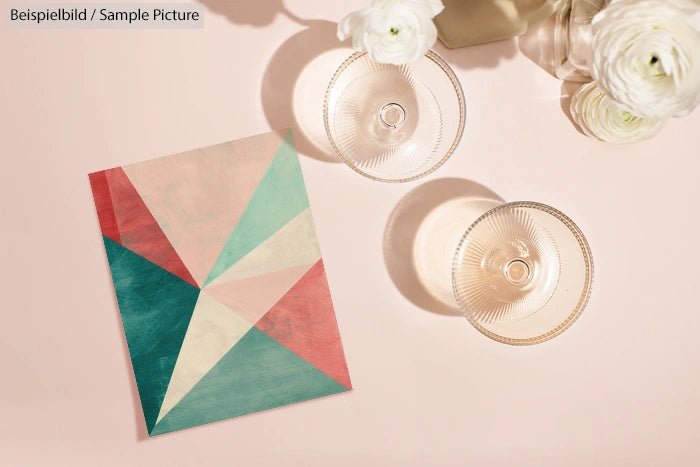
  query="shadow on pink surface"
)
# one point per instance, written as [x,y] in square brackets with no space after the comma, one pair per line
[538,45]
[245,12]
[488,55]
[568,89]
[422,234]
[294,85]
[297,75]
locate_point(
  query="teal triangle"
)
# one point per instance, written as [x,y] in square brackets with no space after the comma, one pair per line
[279,197]
[258,373]
[156,307]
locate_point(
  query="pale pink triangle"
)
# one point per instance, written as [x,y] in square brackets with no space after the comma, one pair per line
[198,196]
[252,297]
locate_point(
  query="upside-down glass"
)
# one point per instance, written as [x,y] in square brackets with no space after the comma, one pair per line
[394,123]
[522,273]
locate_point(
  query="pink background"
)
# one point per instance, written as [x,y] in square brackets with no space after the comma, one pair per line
[621,387]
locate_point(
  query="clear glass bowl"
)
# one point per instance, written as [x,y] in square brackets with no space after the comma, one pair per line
[522,273]
[394,123]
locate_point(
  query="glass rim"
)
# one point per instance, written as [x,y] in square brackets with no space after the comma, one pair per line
[585,293]
[435,58]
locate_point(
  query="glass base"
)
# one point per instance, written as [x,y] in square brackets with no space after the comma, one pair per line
[394,123]
[522,273]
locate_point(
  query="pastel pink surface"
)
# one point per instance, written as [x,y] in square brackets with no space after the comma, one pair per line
[252,297]
[198,196]
[619,388]
[304,322]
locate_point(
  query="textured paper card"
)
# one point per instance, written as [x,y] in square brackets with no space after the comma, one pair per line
[220,282]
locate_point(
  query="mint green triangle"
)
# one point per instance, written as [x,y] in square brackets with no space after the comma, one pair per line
[258,373]
[279,197]
[156,307]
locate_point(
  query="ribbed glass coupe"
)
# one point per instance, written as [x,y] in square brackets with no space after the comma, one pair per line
[394,123]
[522,273]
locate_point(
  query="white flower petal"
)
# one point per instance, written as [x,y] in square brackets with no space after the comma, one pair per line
[436,6]
[393,31]
[601,117]
[646,54]
[352,23]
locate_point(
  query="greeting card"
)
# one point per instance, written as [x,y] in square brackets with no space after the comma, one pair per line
[221,286]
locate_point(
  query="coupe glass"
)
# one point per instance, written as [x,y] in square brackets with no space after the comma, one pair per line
[522,273]
[394,123]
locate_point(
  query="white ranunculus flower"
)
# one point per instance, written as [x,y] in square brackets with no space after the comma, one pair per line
[392,31]
[603,118]
[646,55]
[690,7]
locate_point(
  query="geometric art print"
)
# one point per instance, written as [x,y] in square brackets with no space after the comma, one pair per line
[220,282]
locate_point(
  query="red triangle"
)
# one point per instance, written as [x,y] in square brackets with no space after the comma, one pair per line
[137,228]
[303,320]
[103,203]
